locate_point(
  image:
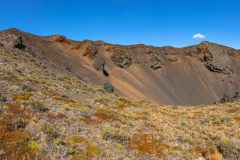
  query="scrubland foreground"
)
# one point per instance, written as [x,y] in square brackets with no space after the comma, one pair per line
[48,114]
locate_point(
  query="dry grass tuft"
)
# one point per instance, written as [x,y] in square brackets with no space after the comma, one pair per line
[81,148]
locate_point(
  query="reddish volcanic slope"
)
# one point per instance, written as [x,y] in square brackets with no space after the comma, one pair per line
[200,74]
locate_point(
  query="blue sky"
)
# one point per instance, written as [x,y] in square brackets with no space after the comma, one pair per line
[152,22]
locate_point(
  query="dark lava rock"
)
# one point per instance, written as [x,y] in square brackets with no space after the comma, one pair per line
[121,59]
[215,57]
[19,43]
[105,73]
[99,64]
[156,64]
[1,45]
[212,68]
[237,95]
[108,87]
[67,68]
[226,99]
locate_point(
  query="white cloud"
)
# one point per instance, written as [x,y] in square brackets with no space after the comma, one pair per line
[199,36]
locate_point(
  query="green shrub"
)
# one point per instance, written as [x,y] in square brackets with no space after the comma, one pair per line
[33,144]
[20,44]
[225,147]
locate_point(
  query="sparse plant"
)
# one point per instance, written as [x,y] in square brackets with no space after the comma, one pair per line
[26,88]
[59,142]
[17,124]
[227,149]
[20,44]
[117,136]
[38,106]
[101,101]
[50,131]
[3,98]
[65,79]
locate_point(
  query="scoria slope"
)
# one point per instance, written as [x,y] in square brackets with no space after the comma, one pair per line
[200,74]
[48,113]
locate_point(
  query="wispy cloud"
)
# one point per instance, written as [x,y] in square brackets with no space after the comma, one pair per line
[199,36]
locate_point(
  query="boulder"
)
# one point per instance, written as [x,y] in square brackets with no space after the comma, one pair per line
[108,87]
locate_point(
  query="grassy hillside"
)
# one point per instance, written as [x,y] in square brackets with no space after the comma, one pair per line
[45,114]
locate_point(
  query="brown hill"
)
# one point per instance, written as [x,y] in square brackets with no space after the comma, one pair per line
[200,74]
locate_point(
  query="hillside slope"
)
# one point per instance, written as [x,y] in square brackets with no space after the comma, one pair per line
[46,113]
[201,74]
